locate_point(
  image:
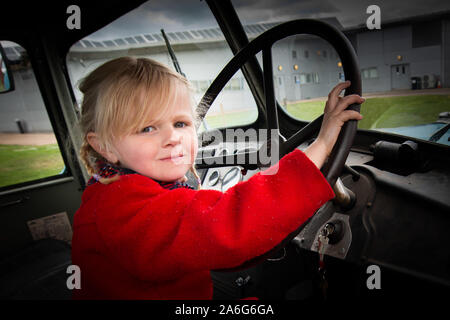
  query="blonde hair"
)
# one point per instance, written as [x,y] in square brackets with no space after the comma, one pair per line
[119,97]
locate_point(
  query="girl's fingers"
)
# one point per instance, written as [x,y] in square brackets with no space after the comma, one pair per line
[350,115]
[348,100]
[334,93]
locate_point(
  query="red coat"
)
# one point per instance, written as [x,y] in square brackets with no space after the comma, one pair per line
[134,239]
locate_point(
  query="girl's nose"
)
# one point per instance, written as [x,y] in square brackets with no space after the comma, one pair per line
[172,137]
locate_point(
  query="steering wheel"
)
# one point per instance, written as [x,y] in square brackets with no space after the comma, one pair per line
[333,168]
[336,161]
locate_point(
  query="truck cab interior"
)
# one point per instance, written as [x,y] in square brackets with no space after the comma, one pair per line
[392,183]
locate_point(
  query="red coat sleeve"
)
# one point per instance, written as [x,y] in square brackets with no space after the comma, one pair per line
[158,234]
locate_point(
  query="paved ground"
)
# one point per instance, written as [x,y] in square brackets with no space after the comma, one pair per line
[31,139]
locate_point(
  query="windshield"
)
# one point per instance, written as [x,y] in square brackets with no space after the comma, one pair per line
[196,40]
[404,63]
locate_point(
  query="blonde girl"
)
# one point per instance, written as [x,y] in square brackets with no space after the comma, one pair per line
[142,232]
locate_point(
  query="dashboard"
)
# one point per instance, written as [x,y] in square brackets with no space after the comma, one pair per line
[398,220]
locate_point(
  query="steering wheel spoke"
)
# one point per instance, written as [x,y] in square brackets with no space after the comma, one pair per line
[271,104]
[269,90]
[302,135]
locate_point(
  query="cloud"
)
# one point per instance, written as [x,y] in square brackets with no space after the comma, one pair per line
[153,16]
[275,10]
[193,14]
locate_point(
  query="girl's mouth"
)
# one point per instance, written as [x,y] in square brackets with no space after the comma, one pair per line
[173,158]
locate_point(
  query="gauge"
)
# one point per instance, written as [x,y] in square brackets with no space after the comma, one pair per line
[213,178]
[231,178]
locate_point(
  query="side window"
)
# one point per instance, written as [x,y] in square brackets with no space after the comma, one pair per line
[28,147]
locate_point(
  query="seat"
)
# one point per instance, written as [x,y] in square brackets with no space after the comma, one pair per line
[37,272]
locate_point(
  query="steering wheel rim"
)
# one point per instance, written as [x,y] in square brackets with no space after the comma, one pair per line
[336,161]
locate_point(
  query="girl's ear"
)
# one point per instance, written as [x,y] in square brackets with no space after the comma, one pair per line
[94,142]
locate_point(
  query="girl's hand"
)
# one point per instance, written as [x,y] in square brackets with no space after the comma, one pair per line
[335,115]
[334,118]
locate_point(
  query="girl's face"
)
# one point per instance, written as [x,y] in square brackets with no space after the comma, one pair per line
[164,150]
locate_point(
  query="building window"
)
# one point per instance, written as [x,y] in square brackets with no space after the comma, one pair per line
[294,54]
[365,73]
[201,85]
[306,54]
[235,84]
[306,78]
[371,73]
[315,77]
[302,78]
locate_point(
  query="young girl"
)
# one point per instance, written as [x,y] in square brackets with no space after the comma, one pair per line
[143,233]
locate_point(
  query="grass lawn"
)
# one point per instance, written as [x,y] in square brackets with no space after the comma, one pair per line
[231,119]
[384,112]
[24,163]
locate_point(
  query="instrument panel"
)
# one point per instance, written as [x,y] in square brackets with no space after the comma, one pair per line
[223,178]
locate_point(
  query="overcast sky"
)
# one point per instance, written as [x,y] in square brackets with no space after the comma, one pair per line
[174,15]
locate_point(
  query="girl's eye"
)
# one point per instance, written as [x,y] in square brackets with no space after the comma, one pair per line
[148,129]
[180,124]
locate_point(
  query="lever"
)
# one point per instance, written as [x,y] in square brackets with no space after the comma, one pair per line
[344,196]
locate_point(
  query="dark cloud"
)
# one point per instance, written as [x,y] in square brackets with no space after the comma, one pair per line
[152,16]
[275,10]
[192,14]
